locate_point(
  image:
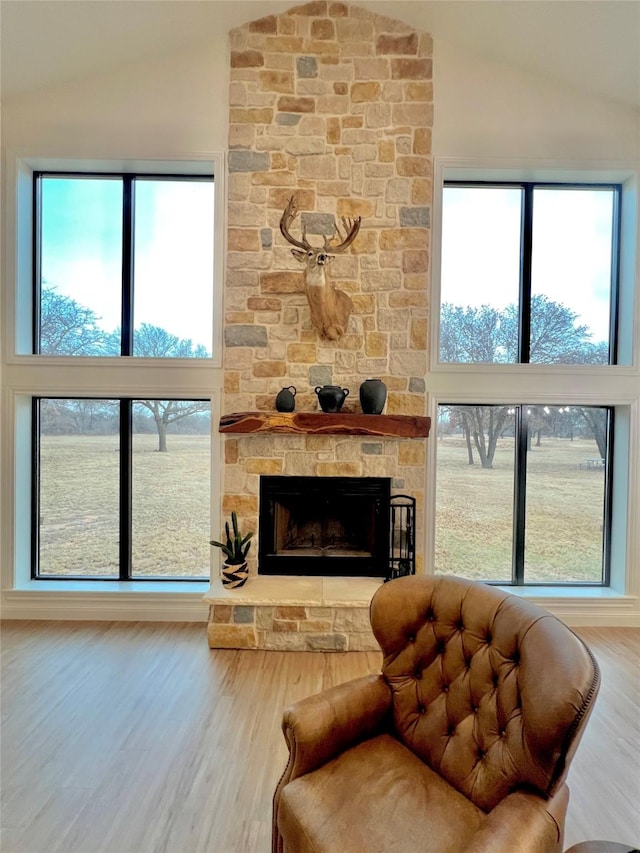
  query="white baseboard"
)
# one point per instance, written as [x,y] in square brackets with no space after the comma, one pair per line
[612,613]
[619,612]
[111,607]
[599,620]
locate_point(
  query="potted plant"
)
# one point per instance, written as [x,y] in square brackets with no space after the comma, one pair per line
[236,548]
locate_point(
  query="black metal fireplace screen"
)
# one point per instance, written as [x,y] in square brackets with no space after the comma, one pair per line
[335,526]
[402,544]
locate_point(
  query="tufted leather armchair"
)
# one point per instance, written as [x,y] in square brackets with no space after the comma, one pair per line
[463,742]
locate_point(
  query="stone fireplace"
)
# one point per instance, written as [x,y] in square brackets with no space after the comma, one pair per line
[333,105]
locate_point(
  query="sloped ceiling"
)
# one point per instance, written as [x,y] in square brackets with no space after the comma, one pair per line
[590,44]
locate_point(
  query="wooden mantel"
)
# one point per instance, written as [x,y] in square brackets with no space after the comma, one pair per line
[319,423]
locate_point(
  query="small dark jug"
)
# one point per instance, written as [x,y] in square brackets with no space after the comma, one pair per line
[331,397]
[285,401]
[373,395]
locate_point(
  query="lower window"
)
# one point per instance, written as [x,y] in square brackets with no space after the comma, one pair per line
[121,489]
[523,493]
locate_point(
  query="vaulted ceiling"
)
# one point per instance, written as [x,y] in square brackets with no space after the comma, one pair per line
[590,44]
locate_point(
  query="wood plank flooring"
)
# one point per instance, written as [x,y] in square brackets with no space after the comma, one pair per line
[136,738]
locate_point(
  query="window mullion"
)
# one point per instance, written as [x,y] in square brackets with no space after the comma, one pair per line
[35,487]
[520,493]
[126,469]
[526,244]
[608,499]
[614,316]
[127,265]
[36,265]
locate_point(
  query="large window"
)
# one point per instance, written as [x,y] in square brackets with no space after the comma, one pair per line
[123,271]
[522,493]
[529,273]
[529,277]
[124,265]
[121,489]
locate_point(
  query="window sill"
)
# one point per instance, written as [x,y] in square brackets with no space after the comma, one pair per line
[588,606]
[202,587]
[93,586]
[573,593]
[114,601]
[110,361]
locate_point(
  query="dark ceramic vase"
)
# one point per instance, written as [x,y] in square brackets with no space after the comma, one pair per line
[285,401]
[373,396]
[331,397]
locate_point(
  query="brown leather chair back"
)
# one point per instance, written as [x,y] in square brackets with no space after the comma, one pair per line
[489,690]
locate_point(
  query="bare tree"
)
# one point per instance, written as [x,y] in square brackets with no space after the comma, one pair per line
[470,334]
[488,335]
[68,328]
[481,426]
[486,424]
[155,342]
[556,337]
[596,420]
[167,412]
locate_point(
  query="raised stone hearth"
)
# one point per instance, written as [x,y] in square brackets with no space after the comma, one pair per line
[296,614]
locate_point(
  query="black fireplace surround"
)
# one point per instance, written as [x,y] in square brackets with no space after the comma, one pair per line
[329,526]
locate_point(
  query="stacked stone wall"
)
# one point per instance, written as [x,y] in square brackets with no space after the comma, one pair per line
[334,105]
[291,628]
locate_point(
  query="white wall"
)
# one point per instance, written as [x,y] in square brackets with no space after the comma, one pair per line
[176,106]
[179,105]
[486,110]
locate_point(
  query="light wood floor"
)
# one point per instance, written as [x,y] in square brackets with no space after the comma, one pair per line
[132,738]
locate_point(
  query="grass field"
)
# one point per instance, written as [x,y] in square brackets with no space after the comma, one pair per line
[474,510]
[79,506]
[474,507]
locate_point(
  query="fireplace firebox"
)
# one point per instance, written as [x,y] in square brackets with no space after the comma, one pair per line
[330,526]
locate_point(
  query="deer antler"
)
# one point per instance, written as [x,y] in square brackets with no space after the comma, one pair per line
[351,228]
[289,214]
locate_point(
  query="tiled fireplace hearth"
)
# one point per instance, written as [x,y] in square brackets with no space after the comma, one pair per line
[333,105]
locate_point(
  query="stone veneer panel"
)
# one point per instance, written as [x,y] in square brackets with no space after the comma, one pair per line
[312,629]
[332,104]
[306,614]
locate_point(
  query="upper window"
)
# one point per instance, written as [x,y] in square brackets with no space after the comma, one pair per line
[124,265]
[529,273]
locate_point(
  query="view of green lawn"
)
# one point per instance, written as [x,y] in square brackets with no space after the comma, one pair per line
[474,510]
[79,506]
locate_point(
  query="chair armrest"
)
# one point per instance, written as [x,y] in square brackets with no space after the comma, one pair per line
[322,726]
[523,823]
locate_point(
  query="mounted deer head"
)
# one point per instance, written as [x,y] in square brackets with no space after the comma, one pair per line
[330,308]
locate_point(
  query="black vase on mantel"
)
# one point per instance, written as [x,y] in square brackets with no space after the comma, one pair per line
[285,401]
[331,397]
[373,396]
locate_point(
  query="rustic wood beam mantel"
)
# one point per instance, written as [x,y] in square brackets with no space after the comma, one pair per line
[319,423]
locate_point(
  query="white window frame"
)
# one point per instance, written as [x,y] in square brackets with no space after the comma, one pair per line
[611,385]
[26,375]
